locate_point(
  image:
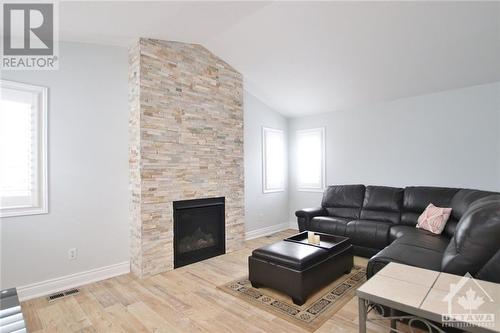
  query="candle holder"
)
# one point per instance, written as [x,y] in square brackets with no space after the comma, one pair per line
[317,240]
[310,237]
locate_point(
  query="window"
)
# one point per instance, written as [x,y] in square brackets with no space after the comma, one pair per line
[311,159]
[273,151]
[23,149]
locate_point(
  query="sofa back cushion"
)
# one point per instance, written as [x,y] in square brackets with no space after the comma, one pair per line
[343,200]
[382,203]
[417,198]
[459,204]
[476,238]
[463,199]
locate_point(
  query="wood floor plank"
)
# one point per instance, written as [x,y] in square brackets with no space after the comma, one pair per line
[169,307]
[100,319]
[150,319]
[120,316]
[73,314]
[33,322]
[52,319]
[120,292]
[102,294]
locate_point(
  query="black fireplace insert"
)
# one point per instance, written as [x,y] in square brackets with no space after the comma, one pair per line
[199,230]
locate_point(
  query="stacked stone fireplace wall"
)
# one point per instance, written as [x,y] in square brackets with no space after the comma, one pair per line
[186,142]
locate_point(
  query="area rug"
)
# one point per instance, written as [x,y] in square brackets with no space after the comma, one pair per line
[312,314]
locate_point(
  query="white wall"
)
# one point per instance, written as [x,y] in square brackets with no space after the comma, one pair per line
[88,170]
[263,211]
[450,138]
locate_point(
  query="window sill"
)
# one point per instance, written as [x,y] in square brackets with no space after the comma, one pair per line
[25,211]
[273,191]
[317,190]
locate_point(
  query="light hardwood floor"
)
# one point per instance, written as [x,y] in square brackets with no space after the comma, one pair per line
[182,300]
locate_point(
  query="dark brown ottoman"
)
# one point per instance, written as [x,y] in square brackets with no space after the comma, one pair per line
[297,268]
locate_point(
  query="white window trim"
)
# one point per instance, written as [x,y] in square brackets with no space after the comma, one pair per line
[322,187]
[41,144]
[264,188]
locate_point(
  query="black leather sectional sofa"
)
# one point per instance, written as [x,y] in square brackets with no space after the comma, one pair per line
[380,221]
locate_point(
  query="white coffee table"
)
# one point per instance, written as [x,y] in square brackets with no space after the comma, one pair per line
[425,295]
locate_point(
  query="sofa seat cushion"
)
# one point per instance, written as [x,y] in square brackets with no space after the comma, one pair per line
[412,246]
[398,231]
[424,239]
[329,225]
[405,254]
[290,254]
[369,233]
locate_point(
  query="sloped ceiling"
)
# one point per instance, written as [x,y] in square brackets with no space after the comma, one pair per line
[303,58]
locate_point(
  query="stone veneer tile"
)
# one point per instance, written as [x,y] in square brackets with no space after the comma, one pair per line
[186,142]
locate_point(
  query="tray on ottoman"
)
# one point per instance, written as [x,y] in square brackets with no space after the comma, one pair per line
[298,268]
[327,242]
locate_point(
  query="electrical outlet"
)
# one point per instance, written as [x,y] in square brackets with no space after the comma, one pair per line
[72,253]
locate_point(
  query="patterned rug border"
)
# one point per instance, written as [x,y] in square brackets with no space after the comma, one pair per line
[309,316]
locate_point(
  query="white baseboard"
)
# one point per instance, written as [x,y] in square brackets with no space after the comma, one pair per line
[266,231]
[71,281]
[293,225]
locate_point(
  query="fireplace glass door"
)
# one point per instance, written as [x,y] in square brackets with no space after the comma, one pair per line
[199,230]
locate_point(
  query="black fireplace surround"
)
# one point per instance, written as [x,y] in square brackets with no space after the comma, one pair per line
[199,230]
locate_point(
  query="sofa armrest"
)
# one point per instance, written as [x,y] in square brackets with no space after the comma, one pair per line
[309,213]
[305,215]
